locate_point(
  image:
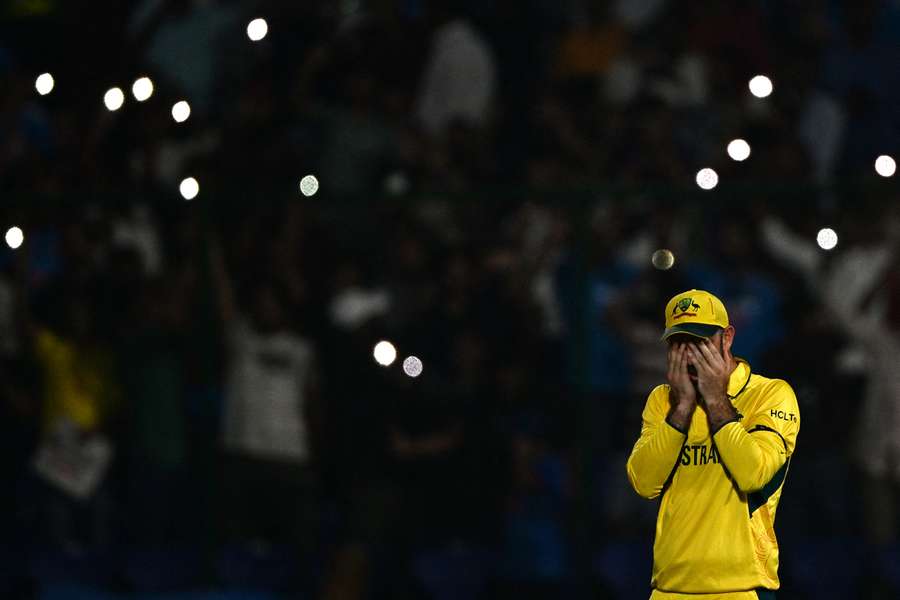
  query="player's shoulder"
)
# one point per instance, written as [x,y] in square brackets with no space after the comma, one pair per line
[657,404]
[769,384]
[772,388]
[659,393]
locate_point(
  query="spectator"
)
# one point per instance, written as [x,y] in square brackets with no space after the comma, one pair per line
[80,397]
[460,76]
[167,32]
[605,369]
[872,321]
[154,376]
[269,419]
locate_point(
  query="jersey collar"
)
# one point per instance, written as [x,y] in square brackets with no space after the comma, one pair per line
[739,379]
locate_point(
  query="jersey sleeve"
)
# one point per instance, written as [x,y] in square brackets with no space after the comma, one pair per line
[778,414]
[656,451]
[753,452]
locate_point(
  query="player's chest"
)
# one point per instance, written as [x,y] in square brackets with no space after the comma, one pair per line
[698,449]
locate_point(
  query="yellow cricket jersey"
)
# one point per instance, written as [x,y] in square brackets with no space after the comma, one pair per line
[77,382]
[714,530]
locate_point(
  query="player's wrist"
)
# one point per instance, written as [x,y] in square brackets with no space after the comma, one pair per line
[678,425]
[716,400]
[720,412]
[679,417]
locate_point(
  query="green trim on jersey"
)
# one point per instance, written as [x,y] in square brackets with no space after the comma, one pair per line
[760,497]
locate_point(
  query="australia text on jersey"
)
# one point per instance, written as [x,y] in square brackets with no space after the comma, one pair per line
[698,454]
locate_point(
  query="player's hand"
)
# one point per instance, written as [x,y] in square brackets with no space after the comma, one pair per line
[682,393]
[712,371]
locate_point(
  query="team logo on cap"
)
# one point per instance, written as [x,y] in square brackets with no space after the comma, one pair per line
[684,305]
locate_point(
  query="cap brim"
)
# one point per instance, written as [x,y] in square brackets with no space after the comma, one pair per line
[700,330]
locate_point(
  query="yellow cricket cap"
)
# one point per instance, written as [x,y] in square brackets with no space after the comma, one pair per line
[695,312]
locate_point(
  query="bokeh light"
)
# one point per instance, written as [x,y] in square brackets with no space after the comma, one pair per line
[189,188]
[412,366]
[739,150]
[761,86]
[707,179]
[257,29]
[142,89]
[114,98]
[826,238]
[309,185]
[885,165]
[396,184]
[44,84]
[663,259]
[385,353]
[181,110]
[14,237]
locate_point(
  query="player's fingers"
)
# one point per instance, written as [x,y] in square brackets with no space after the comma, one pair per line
[674,354]
[698,360]
[685,361]
[675,369]
[671,354]
[678,367]
[707,348]
[712,356]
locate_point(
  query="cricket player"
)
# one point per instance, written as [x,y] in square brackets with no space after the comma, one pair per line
[715,445]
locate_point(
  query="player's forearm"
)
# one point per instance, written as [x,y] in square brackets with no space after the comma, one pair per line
[752,459]
[653,458]
[680,416]
[719,412]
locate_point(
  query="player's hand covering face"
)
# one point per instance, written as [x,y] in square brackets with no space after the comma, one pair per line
[712,370]
[678,375]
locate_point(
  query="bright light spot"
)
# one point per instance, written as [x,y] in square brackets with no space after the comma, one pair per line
[761,86]
[885,165]
[189,188]
[826,238]
[309,185]
[14,237]
[663,259]
[738,150]
[396,184]
[707,179]
[385,354]
[142,89]
[257,29]
[181,110]
[44,84]
[114,98]
[412,366]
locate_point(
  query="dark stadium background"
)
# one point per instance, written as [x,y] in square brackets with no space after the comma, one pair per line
[493,178]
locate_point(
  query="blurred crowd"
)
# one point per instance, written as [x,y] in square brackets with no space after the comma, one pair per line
[445,94]
[188,388]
